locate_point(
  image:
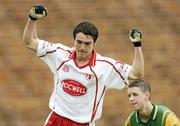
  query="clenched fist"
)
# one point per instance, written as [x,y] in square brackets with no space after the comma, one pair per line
[135,35]
[37,11]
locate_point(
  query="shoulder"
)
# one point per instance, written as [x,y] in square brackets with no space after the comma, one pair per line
[172,120]
[105,60]
[59,46]
[52,45]
[100,57]
[131,120]
[162,111]
[48,48]
[168,117]
[162,108]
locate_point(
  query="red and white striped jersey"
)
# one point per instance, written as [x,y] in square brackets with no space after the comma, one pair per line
[79,91]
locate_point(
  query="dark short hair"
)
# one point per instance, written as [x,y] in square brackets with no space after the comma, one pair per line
[86,28]
[142,84]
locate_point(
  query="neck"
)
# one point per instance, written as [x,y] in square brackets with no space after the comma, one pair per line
[81,61]
[145,113]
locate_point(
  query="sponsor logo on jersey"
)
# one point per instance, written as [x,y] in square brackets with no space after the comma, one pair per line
[73,87]
[65,68]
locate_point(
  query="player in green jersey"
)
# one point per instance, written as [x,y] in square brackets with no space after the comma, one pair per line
[146,113]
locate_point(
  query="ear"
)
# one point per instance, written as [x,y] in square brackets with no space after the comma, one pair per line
[94,44]
[74,42]
[147,95]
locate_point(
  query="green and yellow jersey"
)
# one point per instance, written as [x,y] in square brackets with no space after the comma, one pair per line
[160,116]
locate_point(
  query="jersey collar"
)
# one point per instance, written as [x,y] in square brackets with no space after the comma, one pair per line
[91,62]
[152,116]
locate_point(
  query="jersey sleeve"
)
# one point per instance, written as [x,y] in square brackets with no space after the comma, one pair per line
[118,74]
[172,120]
[49,52]
[124,69]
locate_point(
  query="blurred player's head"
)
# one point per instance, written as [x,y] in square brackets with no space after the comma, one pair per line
[139,93]
[86,28]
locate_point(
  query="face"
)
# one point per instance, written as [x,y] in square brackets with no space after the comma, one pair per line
[137,98]
[84,45]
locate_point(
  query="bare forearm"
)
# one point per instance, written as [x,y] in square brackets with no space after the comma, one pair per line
[30,35]
[137,71]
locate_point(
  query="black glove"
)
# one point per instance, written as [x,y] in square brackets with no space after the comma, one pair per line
[135,35]
[37,11]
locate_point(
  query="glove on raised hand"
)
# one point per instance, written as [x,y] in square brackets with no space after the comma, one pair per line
[135,35]
[37,11]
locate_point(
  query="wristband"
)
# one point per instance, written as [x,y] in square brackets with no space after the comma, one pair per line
[137,44]
[34,19]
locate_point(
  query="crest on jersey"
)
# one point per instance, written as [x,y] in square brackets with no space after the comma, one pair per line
[89,77]
[73,87]
[65,68]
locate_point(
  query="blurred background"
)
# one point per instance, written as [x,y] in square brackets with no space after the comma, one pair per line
[26,82]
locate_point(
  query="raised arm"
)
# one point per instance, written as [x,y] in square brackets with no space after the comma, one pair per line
[137,71]
[30,35]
